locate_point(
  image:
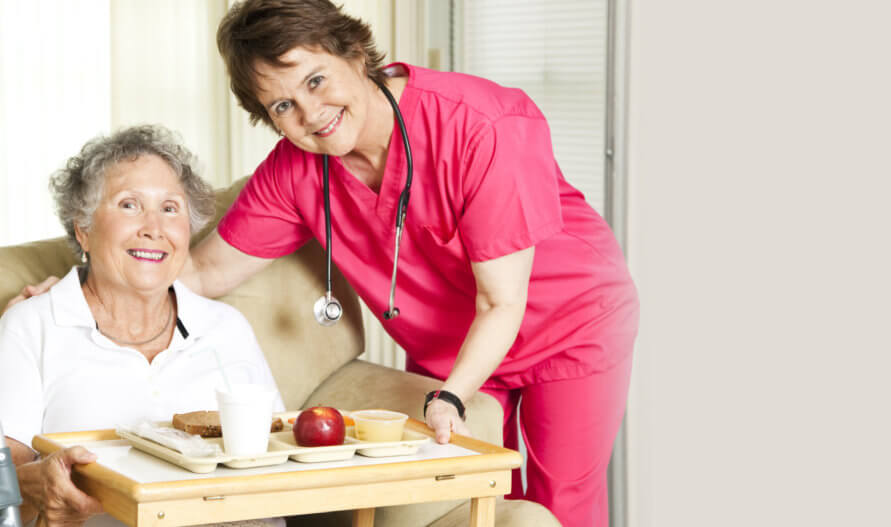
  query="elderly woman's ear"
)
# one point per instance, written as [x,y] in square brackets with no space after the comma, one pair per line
[82,238]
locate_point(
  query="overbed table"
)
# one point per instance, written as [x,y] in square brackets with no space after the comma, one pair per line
[144,491]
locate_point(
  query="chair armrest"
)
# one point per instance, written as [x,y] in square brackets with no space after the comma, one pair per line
[360,384]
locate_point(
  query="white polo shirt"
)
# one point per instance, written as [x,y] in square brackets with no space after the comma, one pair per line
[59,374]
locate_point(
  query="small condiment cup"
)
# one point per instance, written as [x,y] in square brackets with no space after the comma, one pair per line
[379,425]
[245,414]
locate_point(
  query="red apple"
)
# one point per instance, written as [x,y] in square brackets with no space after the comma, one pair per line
[319,426]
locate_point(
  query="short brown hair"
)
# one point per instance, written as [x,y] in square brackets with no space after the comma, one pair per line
[267,29]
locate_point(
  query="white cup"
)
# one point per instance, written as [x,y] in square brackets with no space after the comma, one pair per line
[245,415]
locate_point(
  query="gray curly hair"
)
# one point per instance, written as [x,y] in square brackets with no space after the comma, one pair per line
[77,188]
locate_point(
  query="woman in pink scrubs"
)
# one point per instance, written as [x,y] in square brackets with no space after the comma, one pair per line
[508,282]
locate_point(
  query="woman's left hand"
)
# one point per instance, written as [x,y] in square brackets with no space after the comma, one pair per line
[443,418]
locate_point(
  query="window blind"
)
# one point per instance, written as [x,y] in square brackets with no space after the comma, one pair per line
[555,51]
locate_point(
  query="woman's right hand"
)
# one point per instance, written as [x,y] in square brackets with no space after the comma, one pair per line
[47,485]
[32,290]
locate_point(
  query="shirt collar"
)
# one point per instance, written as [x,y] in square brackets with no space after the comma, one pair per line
[70,308]
[68,303]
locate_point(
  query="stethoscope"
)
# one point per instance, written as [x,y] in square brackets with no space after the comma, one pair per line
[327,308]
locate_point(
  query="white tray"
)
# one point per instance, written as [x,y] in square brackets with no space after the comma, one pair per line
[316,454]
[409,444]
[281,448]
[276,454]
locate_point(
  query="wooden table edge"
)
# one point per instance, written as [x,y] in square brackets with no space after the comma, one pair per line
[46,444]
[496,458]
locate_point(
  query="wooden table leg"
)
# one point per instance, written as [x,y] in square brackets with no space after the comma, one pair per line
[363,518]
[482,512]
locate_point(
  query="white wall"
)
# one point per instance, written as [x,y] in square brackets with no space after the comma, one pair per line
[759,226]
[54,92]
[166,69]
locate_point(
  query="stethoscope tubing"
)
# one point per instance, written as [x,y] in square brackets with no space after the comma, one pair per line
[328,237]
[409,168]
[402,208]
[321,307]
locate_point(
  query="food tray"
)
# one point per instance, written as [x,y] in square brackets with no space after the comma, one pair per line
[276,454]
[281,448]
[316,454]
[409,444]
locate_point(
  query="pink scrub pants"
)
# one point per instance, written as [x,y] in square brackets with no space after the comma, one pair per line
[568,427]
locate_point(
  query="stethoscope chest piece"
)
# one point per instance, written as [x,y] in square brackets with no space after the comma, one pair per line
[327,310]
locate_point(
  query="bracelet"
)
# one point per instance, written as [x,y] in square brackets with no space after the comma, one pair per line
[446,396]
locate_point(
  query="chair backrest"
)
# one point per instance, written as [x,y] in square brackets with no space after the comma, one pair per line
[277,301]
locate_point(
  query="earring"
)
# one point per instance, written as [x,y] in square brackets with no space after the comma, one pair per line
[83,257]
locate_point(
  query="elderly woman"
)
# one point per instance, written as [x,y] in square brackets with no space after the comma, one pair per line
[118,340]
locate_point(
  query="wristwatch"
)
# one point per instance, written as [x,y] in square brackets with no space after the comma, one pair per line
[446,396]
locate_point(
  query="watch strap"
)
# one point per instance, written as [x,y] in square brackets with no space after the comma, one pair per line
[446,396]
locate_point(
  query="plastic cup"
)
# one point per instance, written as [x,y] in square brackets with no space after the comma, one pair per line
[245,414]
[379,425]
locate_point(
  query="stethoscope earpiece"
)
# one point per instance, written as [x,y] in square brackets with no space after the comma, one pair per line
[327,309]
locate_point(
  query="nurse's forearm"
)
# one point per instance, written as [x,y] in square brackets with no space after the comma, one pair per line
[215,267]
[502,286]
[488,340]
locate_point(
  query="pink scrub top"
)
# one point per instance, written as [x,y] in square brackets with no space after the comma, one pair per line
[485,185]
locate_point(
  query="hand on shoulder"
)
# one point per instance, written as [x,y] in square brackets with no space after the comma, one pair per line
[32,290]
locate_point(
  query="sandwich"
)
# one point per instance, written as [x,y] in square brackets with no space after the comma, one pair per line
[207,423]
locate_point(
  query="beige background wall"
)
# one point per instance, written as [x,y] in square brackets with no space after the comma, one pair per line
[759,226]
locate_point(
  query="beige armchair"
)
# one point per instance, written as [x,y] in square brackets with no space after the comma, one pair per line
[312,364]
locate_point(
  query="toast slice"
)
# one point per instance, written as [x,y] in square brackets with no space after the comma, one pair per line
[207,423]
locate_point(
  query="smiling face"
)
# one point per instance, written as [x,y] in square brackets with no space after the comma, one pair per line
[320,102]
[139,237]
